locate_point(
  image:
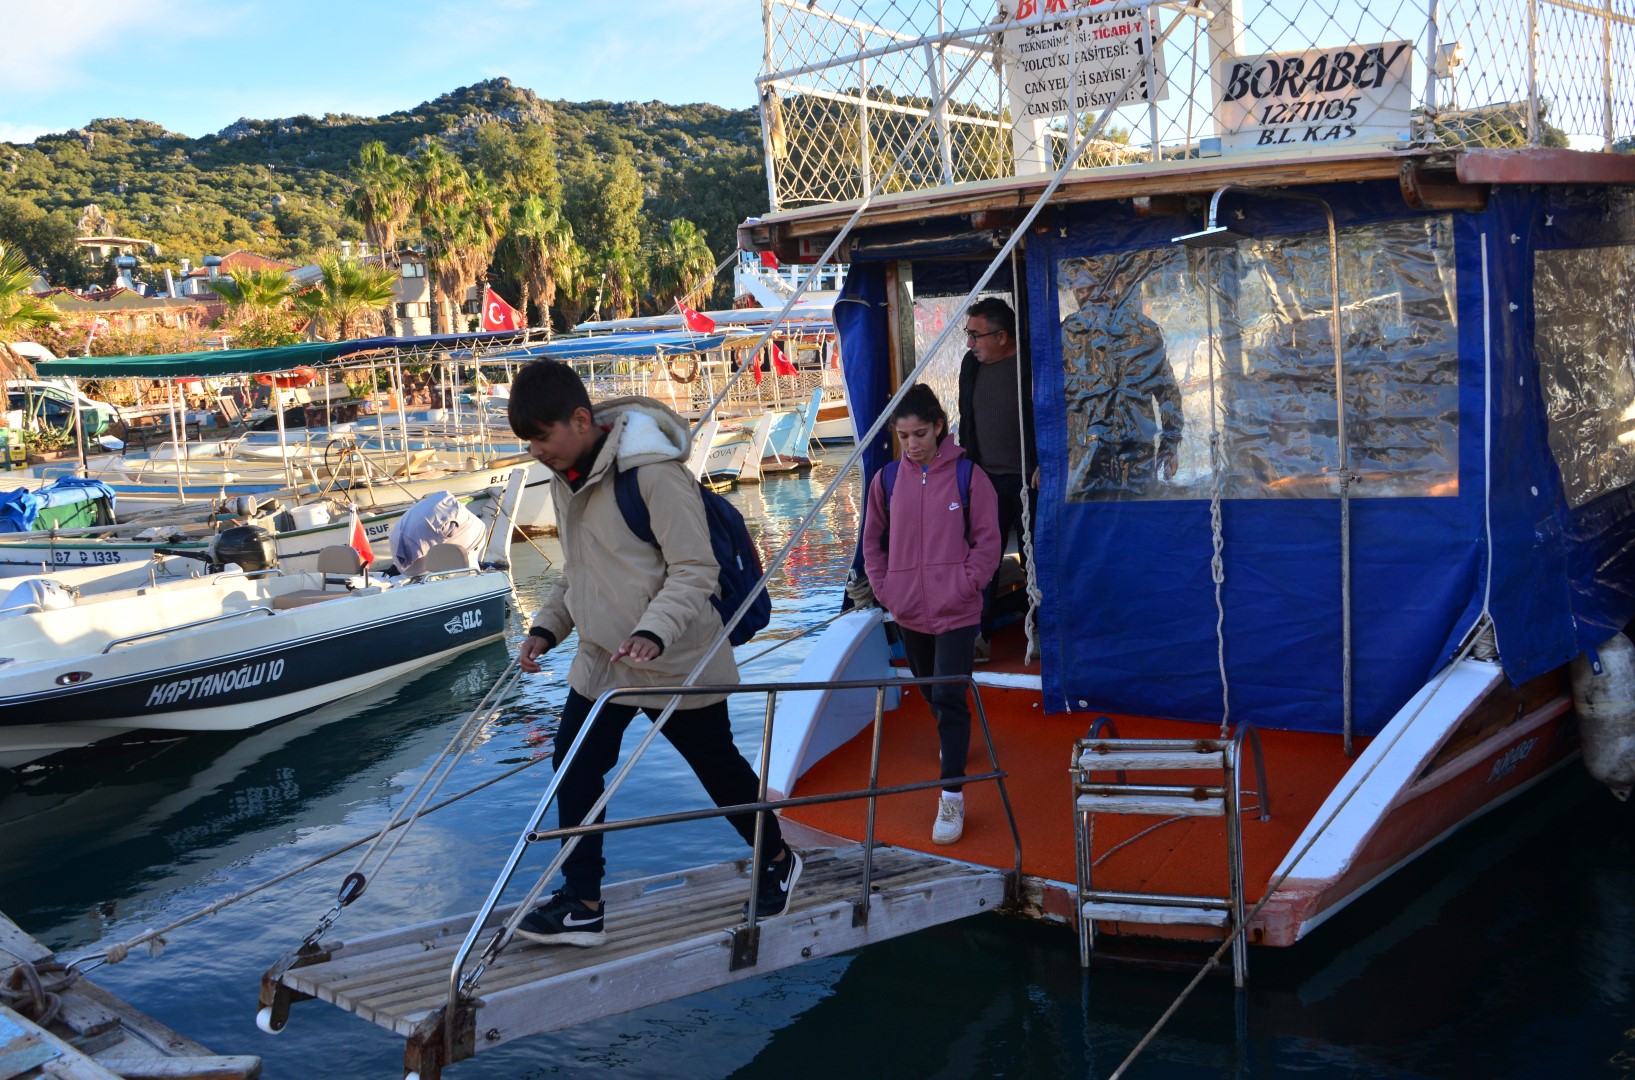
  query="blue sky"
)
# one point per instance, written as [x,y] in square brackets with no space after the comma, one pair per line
[197,67]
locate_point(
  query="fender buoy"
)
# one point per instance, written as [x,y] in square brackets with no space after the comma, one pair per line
[301,376]
[689,367]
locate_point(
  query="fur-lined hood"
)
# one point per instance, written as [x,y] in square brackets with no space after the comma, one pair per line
[644,431]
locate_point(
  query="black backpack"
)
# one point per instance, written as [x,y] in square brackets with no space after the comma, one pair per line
[729,539]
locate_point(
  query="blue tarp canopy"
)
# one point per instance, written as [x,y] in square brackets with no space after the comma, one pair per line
[636,346]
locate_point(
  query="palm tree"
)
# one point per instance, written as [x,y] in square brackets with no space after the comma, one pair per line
[576,283]
[451,232]
[345,291]
[382,198]
[439,183]
[622,277]
[536,244]
[252,291]
[20,310]
[682,264]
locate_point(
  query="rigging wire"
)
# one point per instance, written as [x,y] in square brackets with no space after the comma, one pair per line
[503,933]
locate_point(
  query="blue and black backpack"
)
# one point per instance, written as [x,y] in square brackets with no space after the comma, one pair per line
[729,539]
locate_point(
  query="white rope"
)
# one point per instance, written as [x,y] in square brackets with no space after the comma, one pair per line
[1217,466]
[1035,597]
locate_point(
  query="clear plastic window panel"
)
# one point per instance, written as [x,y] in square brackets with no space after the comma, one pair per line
[1584,338]
[1166,351]
[931,315]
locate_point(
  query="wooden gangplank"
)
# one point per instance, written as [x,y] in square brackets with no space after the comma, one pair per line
[667,937]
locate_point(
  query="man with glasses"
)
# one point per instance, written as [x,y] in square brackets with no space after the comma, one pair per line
[996,424]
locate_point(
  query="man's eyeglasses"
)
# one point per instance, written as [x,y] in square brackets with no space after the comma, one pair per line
[973,335]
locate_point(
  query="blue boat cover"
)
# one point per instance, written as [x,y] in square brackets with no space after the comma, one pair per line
[1490,379]
[20,509]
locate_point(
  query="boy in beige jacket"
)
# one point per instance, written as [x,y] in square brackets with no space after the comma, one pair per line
[644,617]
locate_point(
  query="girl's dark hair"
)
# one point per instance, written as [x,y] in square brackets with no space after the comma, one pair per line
[920,402]
[543,393]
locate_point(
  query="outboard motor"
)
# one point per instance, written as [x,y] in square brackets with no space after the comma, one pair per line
[1604,698]
[251,547]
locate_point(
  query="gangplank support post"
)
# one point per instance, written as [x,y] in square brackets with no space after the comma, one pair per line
[275,999]
[425,1053]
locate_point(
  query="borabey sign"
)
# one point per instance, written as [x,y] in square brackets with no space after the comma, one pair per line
[1355,93]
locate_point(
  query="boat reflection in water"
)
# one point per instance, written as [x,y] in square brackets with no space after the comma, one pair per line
[99,827]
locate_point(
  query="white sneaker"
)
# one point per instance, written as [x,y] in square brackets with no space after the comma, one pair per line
[950,824]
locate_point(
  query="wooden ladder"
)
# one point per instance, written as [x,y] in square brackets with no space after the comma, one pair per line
[667,937]
[1167,800]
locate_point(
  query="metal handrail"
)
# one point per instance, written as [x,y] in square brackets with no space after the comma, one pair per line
[746,938]
[185,626]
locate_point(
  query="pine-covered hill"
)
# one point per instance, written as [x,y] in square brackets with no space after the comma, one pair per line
[278,186]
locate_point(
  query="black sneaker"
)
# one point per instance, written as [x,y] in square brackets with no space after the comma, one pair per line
[776,886]
[563,920]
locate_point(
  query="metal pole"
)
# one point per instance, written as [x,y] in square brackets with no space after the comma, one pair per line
[79,429]
[1606,78]
[1532,73]
[1345,478]
[864,160]
[860,910]
[1149,22]
[283,444]
[765,95]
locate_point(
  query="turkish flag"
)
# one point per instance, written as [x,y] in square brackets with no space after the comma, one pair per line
[769,260]
[497,314]
[359,542]
[696,321]
[780,362]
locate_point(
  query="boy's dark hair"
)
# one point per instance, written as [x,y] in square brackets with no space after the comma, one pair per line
[543,393]
[995,311]
[920,402]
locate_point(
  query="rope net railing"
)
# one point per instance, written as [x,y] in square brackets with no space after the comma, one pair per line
[845,82]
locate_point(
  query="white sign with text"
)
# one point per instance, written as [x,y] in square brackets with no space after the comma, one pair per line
[1077,65]
[1354,93]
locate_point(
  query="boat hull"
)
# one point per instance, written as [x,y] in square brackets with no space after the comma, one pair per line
[262,669]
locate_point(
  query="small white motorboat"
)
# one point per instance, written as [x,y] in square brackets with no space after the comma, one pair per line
[234,649]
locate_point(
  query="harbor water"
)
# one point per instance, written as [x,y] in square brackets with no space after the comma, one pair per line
[1507,952]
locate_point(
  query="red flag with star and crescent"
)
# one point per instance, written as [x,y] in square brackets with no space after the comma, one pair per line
[497,314]
[697,321]
[780,362]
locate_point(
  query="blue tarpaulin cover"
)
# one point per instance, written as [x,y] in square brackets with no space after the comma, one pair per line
[20,509]
[1463,415]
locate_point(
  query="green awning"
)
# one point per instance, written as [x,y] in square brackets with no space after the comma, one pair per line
[198,364]
[224,362]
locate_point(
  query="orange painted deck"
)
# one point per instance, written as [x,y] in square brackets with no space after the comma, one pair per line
[1187,856]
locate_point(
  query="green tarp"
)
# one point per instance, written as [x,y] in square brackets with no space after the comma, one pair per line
[250,361]
[199,364]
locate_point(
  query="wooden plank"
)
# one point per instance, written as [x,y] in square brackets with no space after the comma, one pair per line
[26,1047]
[1149,760]
[16,942]
[1156,805]
[668,936]
[1155,914]
[213,1067]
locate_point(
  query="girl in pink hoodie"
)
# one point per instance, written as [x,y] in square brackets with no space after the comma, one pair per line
[928,557]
